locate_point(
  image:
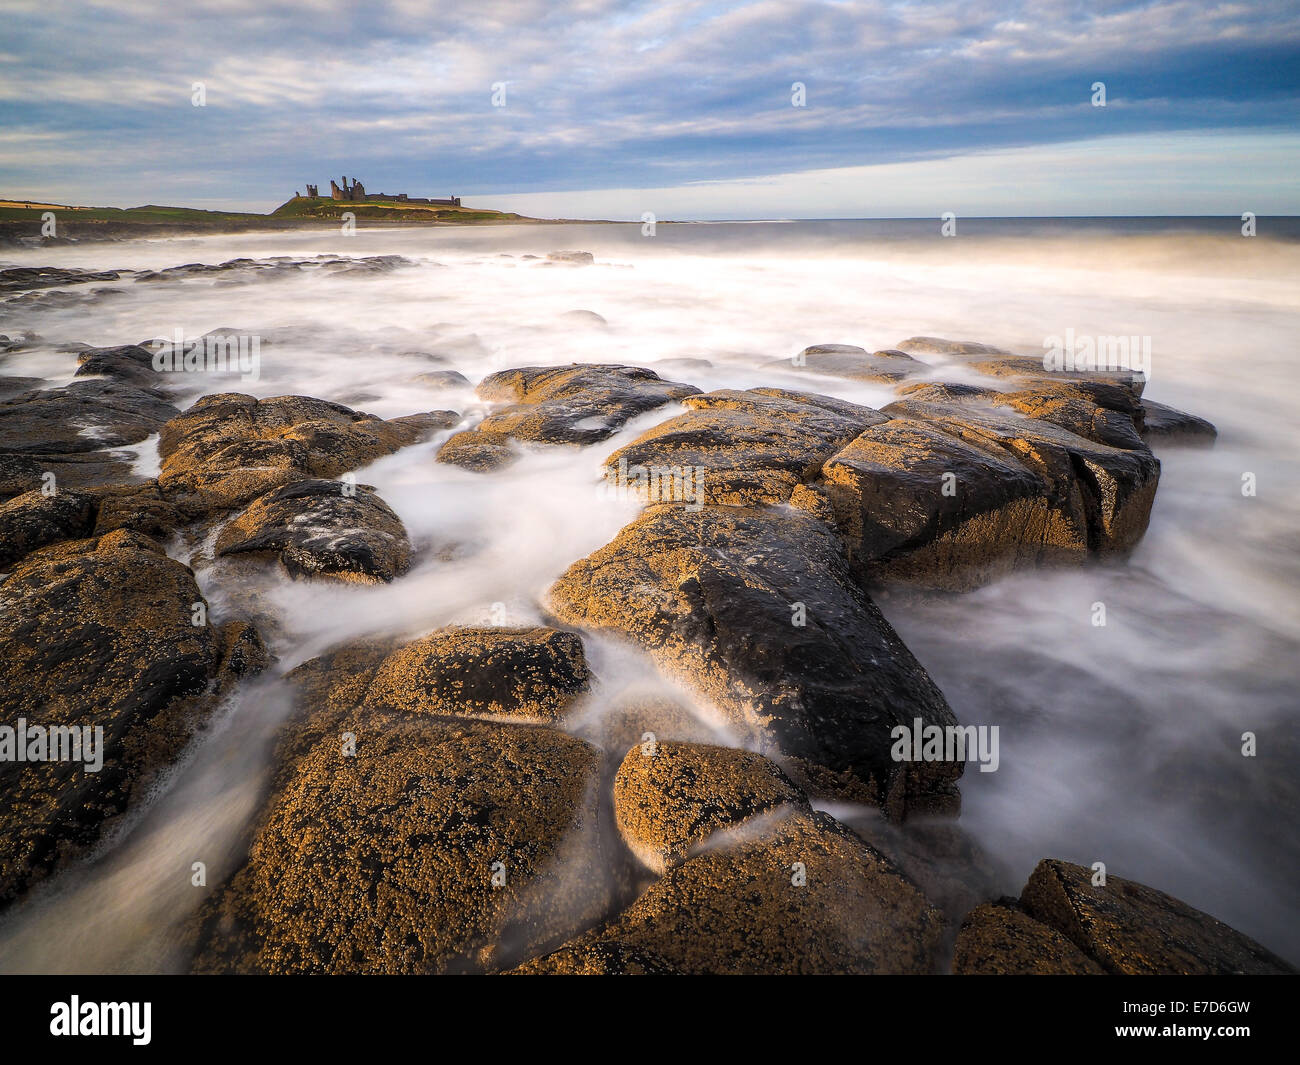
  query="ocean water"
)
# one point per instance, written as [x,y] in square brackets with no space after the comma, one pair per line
[1119,743]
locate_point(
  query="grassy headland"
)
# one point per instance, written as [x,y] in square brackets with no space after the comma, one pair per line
[22,222]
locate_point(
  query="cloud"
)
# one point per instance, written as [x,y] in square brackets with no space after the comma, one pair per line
[604,94]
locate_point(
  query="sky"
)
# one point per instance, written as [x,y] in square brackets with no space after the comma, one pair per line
[609,109]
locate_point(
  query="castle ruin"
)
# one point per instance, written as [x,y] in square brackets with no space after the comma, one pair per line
[356,193]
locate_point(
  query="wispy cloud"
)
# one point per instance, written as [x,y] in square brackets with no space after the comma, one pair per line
[604,94]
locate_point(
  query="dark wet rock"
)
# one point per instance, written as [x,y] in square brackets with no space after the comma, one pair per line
[1000,939]
[1103,412]
[902,522]
[100,633]
[962,487]
[140,508]
[34,519]
[68,433]
[441,845]
[532,674]
[1107,490]
[81,417]
[1164,426]
[229,448]
[25,278]
[716,597]
[803,895]
[574,258]
[576,404]
[738,448]
[129,363]
[477,450]
[996,362]
[1132,929]
[320,528]
[855,363]
[443,379]
[16,386]
[669,798]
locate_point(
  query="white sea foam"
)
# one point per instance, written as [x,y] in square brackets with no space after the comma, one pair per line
[1119,744]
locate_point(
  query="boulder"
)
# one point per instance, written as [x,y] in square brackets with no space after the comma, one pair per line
[477,450]
[921,505]
[576,404]
[1108,491]
[1131,929]
[532,674]
[1167,426]
[33,519]
[130,363]
[669,798]
[738,448]
[855,363]
[441,845]
[322,528]
[802,896]
[100,634]
[758,611]
[228,448]
[1000,939]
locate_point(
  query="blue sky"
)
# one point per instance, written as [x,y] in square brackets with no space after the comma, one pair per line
[680,108]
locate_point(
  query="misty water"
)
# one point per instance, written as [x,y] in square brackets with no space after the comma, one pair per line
[1119,743]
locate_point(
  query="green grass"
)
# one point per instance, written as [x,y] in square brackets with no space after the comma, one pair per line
[392,210]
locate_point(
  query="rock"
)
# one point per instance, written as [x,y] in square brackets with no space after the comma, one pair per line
[1102,412]
[738,448]
[575,404]
[32,520]
[997,362]
[69,432]
[229,448]
[998,939]
[384,862]
[25,278]
[322,528]
[141,508]
[98,633]
[575,258]
[939,346]
[855,363]
[529,674]
[1167,426]
[130,363]
[805,896]
[443,379]
[476,450]
[596,959]
[715,596]
[1108,491]
[671,797]
[1136,930]
[589,318]
[81,417]
[16,386]
[903,523]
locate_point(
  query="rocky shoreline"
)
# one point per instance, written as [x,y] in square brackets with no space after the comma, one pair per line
[448,803]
